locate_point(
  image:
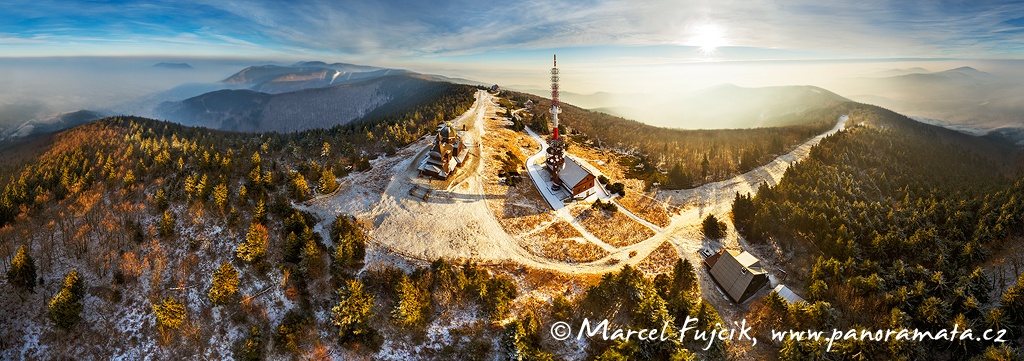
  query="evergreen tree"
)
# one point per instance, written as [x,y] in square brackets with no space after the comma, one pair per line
[65,307]
[256,177]
[743,210]
[684,279]
[259,213]
[705,166]
[298,187]
[713,228]
[224,284]
[500,292]
[1012,306]
[129,179]
[327,183]
[350,241]
[22,273]
[292,330]
[678,178]
[160,200]
[325,150]
[203,188]
[353,311]
[292,248]
[220,195]
[561,308]
[169,313]
[410,309]
[520,340]
[311,262]
[251,349]
[1000,352]
[167,224]
[255,245]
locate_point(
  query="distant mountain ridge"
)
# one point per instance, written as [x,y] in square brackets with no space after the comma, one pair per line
[898,72]
[50,124]
[964,75]
[962,98]
[724,106]
[300,96]
[324,107]
[255,75]
[179,66]
[731,106]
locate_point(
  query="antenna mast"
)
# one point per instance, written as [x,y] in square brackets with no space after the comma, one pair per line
[556,150]
[554,95]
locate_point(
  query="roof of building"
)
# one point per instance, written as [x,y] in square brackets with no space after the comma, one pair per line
[427,166]
[461,157]
[572,174]
[734,271]
[787,294]
[712,259]
[747,260]
[445,154]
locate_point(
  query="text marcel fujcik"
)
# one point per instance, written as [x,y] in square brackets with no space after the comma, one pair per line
[742,332]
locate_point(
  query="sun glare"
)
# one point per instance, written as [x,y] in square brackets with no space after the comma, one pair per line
[707,37]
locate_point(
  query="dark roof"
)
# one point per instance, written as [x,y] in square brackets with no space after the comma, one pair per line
[787,294]
[446,143]
[432,168]
[710,261]
[734,271]
[572,174]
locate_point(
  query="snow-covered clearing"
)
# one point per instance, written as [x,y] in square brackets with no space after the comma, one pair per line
[455,222]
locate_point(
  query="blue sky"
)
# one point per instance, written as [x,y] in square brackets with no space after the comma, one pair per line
[470,32]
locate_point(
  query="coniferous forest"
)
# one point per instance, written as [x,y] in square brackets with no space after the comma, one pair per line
[130,229]
[512,181]
[893,224]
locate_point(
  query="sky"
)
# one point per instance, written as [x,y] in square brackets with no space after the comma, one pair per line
[472,31]
[605,45]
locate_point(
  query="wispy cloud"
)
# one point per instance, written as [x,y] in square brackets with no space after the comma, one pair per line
[401,30]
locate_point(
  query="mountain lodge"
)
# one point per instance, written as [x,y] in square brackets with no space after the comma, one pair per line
[445,156]
[576,179]
[738,273]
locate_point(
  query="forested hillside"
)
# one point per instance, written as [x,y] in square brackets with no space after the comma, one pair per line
[894,224]
[130,235]
[678,158]
[303,109]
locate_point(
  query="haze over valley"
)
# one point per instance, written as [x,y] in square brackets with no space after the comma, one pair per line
[692,96]
[525,180]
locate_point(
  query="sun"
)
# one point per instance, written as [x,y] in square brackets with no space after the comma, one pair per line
[707,38]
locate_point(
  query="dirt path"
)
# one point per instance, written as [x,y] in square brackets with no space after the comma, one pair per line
[455,223]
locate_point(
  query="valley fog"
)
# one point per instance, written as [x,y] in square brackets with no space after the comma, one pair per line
[679,94]
[651,92]
[35,88]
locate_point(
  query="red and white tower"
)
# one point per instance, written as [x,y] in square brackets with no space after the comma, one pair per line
[556,149]
[554,95]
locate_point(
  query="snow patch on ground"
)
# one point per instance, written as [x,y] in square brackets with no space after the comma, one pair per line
[456,224]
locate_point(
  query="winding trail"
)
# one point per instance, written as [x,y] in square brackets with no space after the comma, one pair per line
[456,224]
